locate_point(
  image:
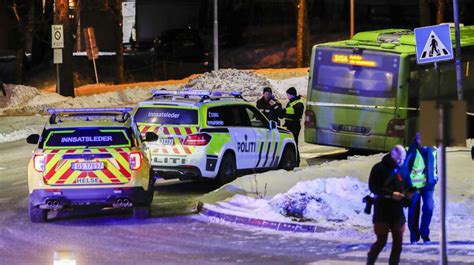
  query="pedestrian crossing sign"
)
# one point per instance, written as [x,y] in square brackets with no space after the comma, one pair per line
[433,44]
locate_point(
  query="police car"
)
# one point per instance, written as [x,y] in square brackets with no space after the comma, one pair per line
[213,135]
[89,157]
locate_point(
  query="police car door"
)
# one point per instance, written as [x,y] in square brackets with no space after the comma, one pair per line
[267,140]
[243,136]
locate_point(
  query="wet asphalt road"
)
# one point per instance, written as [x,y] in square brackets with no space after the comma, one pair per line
[173,235]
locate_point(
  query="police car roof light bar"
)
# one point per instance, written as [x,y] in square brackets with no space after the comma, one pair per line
[199,93]
[90,110]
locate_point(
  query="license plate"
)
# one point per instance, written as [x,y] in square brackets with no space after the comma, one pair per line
[87,166]
[165,141]
[87,180]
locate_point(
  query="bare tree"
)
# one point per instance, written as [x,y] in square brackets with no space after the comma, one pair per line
[302,39]
[440,11]
[25,27]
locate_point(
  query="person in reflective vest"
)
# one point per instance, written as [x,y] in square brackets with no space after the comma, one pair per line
[293,114]
[421,166]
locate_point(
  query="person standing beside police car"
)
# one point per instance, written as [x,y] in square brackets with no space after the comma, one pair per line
[269,106]
[293,113]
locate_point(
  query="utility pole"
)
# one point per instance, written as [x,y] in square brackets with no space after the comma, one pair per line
[119,63]
[216,37]
[458,50]
[61,17]
[352,18]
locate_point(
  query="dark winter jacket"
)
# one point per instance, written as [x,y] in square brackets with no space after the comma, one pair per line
[292,120]
[427,153]
[271,112]
[385,178]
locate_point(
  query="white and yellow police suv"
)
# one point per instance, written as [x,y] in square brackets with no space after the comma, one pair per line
[89,157]
[211,135]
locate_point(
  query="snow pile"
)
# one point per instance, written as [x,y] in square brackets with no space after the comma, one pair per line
[300,83]
[16,135]
[324,201]
[17,95]
[28,100]
[248,82]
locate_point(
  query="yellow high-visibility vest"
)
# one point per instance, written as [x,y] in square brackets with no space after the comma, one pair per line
[290,108]
[418,178]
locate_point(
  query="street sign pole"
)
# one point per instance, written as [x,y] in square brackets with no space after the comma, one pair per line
[434,44]
[441,153]
[441,157]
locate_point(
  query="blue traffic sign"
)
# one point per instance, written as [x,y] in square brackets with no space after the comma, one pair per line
[433,44]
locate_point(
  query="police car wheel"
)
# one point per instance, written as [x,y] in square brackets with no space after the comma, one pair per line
[288,159]
[151,190]
[37,215]
[141,211]
[227,170]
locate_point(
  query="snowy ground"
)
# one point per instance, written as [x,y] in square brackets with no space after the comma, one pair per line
[335,191]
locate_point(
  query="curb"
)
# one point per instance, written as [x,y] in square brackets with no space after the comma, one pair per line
[261,223]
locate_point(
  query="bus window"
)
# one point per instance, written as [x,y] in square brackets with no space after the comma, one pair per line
[369,74]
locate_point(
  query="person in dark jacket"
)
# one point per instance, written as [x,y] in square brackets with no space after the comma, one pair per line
[421,166]
[391,188]
[293,113]
[269,106]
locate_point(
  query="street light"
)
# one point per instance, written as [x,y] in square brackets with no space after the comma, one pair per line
[64,257]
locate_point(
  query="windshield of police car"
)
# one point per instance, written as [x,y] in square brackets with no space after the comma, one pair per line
[88,137]
[164,115]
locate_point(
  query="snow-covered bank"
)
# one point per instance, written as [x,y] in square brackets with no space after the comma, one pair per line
[330,195]
[26,100]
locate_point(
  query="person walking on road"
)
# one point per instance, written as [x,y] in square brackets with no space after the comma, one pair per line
[421,165]
[392,189]
[269,106]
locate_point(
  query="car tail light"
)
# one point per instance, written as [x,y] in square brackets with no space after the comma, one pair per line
[197,139]
[309,119]
[396,128]
[135,160]
[38,162]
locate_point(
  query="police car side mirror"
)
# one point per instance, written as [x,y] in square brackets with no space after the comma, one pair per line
[151,137]
[33,139]
[272,125]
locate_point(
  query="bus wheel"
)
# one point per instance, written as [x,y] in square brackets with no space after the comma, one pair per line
[37,215]
[288,159]
[227,170]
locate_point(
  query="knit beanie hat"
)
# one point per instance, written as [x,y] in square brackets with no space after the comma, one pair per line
[291,91]
[267,89]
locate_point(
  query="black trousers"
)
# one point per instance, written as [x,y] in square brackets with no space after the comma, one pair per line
[381,230]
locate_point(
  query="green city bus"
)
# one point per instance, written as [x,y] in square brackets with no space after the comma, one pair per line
[364,93]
